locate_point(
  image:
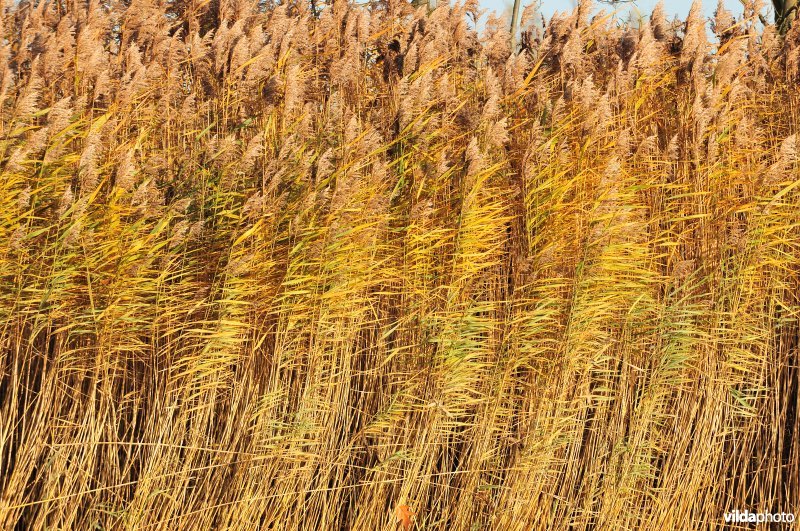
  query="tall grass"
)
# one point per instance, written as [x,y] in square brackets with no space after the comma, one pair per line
[318,267]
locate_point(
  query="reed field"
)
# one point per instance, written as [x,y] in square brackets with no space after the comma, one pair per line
[319,265]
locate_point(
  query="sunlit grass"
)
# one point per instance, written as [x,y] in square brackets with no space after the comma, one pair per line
[266,270]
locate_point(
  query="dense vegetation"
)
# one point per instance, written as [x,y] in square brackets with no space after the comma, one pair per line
[320,266]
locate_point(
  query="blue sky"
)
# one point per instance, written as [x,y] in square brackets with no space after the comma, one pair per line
[645,7]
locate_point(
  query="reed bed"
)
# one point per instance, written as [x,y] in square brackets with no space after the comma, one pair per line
[325,266]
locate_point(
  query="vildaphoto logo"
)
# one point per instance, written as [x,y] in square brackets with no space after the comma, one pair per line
[742,517]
